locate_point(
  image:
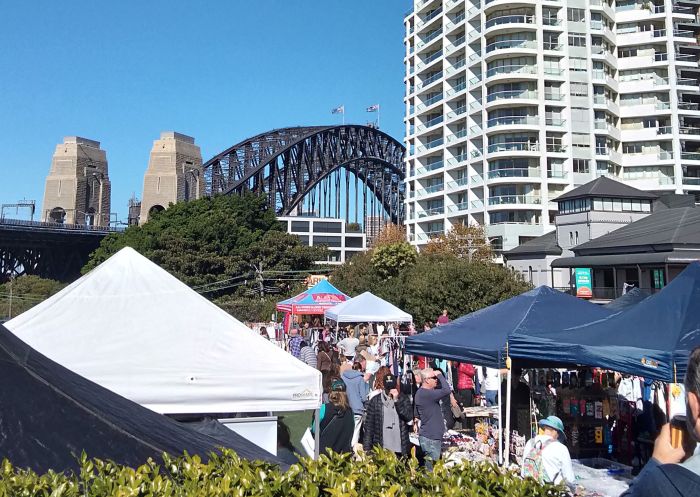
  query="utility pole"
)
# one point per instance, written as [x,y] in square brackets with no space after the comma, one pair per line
[259,279]
[9,310]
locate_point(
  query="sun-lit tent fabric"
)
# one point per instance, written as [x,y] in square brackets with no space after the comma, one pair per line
[480,337]
[50,415]
[315,300]
[367,308]
[135,329]
[631,298]
[651,339]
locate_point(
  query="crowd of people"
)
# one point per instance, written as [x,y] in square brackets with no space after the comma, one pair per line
[367,405]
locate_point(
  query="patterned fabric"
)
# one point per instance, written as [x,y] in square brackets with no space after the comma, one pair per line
[295,346]
[306,354]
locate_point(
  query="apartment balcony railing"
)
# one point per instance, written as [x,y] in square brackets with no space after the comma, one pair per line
[664,155]
[434,188]
[476,129]
[662,105]
[682,9]
[557,174]
[458,183]
[687,82]
[688,105]
[664,130]
[454,22]
[510,94]
[514,147]
[551,21]
[432,57]
[690,156]
[477,204]
[659,33]
[683,33]
[514,199]
[461,157]
[476,179]
[602,125]
[511,69]
[461,206]
[686,57]
[433,99]
[553,71]
[547,45]
[514,19]
[553,96]
[555,121]
[556,148]
[689,130]
[431,79]
[429,38]
[688,180]
[436,211]
[434,143]
[477,152]
[660,56]
[457,88]
[432,15]
[457,112]
[512,120]
[514,173]
[429,167]
[459,41]
[502,45]
[432,122]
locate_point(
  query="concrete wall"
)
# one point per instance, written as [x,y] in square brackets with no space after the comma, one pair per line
[537,270]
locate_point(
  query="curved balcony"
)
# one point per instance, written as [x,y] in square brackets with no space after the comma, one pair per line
[509,201]
[513,174]
[511,122]
[514,148]
[508,47]
[510,22]
[512,71]
[511,98]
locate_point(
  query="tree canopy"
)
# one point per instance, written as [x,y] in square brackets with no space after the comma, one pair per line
[423,284]
[23,293]
[230,239]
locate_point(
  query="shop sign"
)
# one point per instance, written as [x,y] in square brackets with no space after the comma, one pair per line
[584,288]
[314,279]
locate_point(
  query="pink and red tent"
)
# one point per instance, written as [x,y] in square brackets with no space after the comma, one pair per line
[315,300]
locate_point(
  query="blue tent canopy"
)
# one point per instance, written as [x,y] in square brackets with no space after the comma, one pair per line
[480,337]
[631,298]
[652,339]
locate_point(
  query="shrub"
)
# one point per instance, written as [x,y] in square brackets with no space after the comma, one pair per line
[333,475]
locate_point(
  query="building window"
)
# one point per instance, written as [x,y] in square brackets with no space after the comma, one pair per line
[353,241]
[576,238]
[577,40]
[331,241]
[581,166]
[529,273]
[327,227]
[571,237]
[300,226]
[576,15]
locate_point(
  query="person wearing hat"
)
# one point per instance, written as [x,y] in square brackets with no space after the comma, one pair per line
[546,458]
[386,419]
[336,421]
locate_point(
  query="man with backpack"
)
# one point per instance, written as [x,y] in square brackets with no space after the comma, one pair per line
[546,458]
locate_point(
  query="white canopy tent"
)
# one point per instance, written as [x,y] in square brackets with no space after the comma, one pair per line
[135,329]
[367,308]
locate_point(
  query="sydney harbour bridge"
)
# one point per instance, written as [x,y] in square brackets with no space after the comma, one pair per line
[346,171]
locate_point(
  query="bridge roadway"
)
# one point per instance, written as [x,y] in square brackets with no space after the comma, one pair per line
[50,250]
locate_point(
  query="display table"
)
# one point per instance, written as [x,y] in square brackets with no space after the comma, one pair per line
[481,412]
[601,477]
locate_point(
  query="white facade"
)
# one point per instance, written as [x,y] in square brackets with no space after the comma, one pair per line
[332,232]
[510,104]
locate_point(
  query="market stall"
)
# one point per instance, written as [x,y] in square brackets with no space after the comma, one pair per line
[367,308]
[313,301]
[132,327]
[482,337]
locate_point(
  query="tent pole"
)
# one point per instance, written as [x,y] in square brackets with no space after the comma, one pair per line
[500,418]
[317,433]
[508,401]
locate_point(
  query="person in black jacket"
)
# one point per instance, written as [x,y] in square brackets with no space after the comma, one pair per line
[387,416]
[337,422]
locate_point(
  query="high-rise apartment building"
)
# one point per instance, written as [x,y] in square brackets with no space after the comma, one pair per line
[511,103]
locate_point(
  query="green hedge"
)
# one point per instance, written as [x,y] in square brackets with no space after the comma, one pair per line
[382,474]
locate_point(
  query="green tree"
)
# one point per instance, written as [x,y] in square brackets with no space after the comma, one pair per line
[389,260]
[221,238]
[25,292]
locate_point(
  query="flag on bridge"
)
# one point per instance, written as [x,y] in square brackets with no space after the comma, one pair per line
[339,110]
[373,108]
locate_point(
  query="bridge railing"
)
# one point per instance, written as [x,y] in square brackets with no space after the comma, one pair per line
[59,226]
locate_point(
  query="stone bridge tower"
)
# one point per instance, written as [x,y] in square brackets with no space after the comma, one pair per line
[78,190]
[174,173]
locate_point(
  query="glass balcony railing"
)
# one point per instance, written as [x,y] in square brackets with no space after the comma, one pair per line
[511,69]
[434,188]
[431,79]
[433,57]
[512,120]
[435,211]
[513,147]
[502,45]
[552,174]
[514,173]
[689,130]
[434,143]
[555,121]
[514,19]
[433,99]
[690,156]
[514,199]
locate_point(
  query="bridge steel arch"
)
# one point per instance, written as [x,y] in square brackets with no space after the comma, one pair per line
[286,164]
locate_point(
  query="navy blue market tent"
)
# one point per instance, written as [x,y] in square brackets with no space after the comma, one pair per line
[631,298]
[480,337]
[49,415]
[651,339]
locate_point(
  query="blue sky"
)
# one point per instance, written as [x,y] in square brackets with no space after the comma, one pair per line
[122,72]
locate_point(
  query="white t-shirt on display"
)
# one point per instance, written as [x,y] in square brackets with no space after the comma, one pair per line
[492,379]
[348,345]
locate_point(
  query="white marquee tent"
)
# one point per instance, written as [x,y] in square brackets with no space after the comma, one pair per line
[367,308]
[135,329]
